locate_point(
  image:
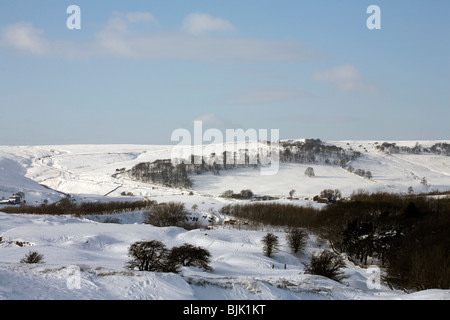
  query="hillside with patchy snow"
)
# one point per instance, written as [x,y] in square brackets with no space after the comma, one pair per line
[85,257]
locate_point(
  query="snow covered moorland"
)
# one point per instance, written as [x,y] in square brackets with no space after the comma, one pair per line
[85,257]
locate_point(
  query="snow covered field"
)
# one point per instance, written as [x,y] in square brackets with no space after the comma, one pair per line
[86,171]
[85,257]
[86,260]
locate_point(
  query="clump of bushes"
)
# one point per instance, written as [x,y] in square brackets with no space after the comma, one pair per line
[274,214]
[331,193]
[407,236]
[154,256]
[244,194]
[167,214]
[326,264]
[171,214]
[129,193]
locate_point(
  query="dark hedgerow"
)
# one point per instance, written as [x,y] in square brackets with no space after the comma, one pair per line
[67,206]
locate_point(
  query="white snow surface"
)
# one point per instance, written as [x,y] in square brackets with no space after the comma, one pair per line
[85,257]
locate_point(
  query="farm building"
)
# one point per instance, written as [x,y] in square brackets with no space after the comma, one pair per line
[14,199]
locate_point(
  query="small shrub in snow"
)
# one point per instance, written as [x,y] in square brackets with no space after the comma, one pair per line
[227,194]
[33,257]
[246,194]
[309,172]
[326,264]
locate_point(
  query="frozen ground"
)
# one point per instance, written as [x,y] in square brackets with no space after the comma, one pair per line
[85,258]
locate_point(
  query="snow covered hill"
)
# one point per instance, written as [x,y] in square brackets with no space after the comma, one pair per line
[85,257]
[87,171]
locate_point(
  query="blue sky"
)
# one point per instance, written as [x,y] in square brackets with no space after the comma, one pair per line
[138,70]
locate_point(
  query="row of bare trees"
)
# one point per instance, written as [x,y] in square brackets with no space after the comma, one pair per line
[326,263]
[295,237]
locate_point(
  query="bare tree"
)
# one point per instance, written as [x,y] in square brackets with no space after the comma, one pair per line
[271,244]
[309,172]
[424,181]
[189,255]
[291,193]
[296,239]
[147,256]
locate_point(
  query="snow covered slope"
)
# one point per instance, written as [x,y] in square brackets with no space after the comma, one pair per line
[87,171]
[85,258]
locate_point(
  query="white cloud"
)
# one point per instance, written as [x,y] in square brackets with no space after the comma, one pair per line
[211,120]
[23,37]
[119,39]
[344,78]
[202,23]
[265,95]
[113,39]
[140,17]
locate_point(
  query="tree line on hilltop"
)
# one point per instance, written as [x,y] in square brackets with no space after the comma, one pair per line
[176,173]
[439,148]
